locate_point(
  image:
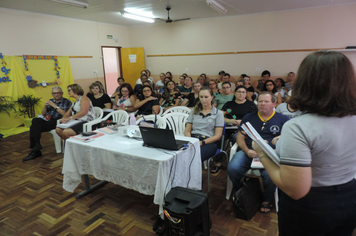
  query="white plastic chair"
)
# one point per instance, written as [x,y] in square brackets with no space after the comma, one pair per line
[56,139]
[89,125]
[161,122]
[176,121]
[119,117]
[251,172]
[181,109]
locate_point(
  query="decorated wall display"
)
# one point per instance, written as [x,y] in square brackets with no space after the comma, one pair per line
[3,69]
[33,83]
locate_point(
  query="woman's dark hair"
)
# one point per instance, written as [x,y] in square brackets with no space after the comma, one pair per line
[121,79]
[128,86]
[283,84]
[325,85]
[166,91]
[170,74]
[238,87]
[76,88]
[274,90]
[198,106]
[142,97]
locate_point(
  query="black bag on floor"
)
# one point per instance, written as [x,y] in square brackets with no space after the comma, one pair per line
[186,213]
[247,200]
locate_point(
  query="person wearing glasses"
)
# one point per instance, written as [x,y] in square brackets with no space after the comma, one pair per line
[53,110]
[225,96]
[82,109]
[125,99]
[271,87]
[213,85]
[147,103]
[268,124]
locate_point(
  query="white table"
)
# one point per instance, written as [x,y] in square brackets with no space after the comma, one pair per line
[124,161]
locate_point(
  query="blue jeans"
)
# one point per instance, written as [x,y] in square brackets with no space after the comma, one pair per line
[239,164]
[324,211]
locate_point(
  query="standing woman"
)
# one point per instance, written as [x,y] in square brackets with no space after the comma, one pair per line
[214,87]
[126,98]
[206,123]
[147,103]
[193,97]
[317,150]
[270,87]
[98,97]
[82,109]
[171,96]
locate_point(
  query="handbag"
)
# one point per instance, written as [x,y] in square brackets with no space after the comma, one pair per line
[247,200]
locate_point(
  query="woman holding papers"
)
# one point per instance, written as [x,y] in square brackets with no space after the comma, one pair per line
[81,110]
[205,122]
[317,150]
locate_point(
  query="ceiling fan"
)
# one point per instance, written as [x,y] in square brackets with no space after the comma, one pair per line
[169,20]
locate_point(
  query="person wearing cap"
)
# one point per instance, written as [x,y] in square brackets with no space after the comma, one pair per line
[221,77]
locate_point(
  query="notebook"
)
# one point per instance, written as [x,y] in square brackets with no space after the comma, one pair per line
[161,138]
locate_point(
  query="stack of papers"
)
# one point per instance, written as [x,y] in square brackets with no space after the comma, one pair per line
[69,124]
[255,136]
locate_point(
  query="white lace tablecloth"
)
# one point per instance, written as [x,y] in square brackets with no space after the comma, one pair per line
[124,161]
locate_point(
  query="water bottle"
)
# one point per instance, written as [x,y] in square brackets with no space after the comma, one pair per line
[132,119]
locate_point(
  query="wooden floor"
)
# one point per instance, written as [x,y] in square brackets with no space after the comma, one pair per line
[33,202]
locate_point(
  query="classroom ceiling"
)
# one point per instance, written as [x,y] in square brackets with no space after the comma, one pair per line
[109,11]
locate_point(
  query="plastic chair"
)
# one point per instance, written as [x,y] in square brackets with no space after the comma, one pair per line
[161,122]
[119,117]
[253,172]
[56,139]
[181,109]
[176,121]
[220,150]
[98,114]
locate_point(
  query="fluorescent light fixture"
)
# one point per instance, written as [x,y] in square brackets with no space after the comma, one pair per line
[139,12]
[73,3]
[216,6]
[140,18]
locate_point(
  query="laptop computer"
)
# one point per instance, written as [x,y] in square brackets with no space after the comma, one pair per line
[161,138]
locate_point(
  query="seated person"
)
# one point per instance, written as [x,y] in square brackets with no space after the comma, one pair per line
[161,90]
[206,123]
[125,99]
[53,110]
[270,87]
[98,97]
[213,85]
[192,98]
[82,109]
[160,83]
[171,96]
[187,87]
[147,102]
[226,78]
[181,81]
[120,81]
[236,109]
[225,96]
[250,90]
[268,124]
[139,86]
[144,72]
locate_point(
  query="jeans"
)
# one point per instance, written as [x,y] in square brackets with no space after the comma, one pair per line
[236,169]
[324,211]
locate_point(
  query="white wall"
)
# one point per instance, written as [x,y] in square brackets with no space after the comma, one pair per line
[38,34]
[329,27]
